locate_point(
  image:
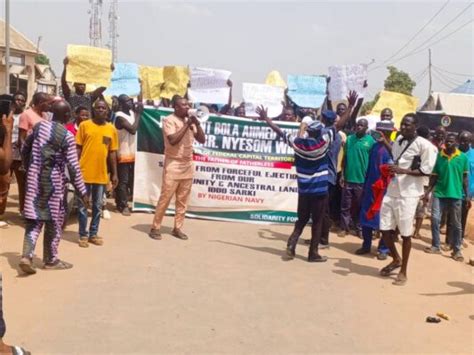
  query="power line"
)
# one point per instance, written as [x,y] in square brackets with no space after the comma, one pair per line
[418,50]
[418,77]
[419,81]
[433,43]
[452,73]
[449,86]
[442,29]
[448,79]
[417,33]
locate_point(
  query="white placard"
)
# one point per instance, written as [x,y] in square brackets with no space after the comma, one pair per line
[209,86]
[345,78]
[260,94]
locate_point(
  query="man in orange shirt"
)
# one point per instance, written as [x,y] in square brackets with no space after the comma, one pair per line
[179,132]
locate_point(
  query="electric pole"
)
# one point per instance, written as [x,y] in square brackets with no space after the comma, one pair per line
[429,72]
[7,46]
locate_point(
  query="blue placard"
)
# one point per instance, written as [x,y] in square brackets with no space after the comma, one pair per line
[307,90]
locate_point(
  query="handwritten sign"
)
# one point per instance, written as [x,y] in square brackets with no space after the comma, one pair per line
[345,78]
[260,94]
[152,80]
[89,65]
[307,90]
[124,80]
[176,81]
[209,86]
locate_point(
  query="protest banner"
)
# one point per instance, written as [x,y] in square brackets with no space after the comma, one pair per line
[209,86]
[307,90]
[124,80]
[345,78]
[152,79]
[176,81]
[400,104]
[274,78]
[242,173]
[260,94]
[89,65]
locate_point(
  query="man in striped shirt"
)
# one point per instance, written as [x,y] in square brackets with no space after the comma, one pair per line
[311,163]
[47,152]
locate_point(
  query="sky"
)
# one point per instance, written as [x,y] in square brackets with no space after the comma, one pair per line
[252,38]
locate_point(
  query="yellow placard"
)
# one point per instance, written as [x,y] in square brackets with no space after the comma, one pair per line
[152,79]
[274,78]
[400,104]
[89,65]
[176,81]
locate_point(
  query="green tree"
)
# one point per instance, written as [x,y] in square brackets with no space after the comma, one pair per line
[42,59]
[396,81]
[399,81]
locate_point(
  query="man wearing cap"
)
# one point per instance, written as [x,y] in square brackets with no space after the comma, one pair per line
[329,118]
[311,163]
[380,154]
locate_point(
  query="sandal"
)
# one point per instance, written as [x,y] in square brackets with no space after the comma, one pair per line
[155,234]
[179,234]
[58,265]
[96,240]
[27,266]
[83,242]
[387,270]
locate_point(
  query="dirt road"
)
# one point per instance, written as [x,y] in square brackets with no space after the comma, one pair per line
[228,290]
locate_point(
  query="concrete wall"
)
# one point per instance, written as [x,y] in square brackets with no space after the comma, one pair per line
[30,70]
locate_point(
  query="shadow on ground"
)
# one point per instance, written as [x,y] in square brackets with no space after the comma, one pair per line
[13,260]
[278,252]
[465,289]
[350,267]
[145,228]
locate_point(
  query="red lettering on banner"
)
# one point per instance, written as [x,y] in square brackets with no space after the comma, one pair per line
[249,163]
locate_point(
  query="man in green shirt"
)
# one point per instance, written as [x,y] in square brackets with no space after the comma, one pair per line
[355,164]
[450,182]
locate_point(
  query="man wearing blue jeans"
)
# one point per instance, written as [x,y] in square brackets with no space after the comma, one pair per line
[97,144]
[450,182]
[96,193]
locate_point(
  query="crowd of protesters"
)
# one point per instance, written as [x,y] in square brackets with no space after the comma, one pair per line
[373,183]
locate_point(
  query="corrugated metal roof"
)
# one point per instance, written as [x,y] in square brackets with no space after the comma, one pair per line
[18,41]
[466,88]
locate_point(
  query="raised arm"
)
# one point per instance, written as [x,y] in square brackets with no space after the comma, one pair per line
[263,115]
[64,86]
[352,98]
[97,93]
[226,108]
[140,94]
[328,101]
[355,111]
